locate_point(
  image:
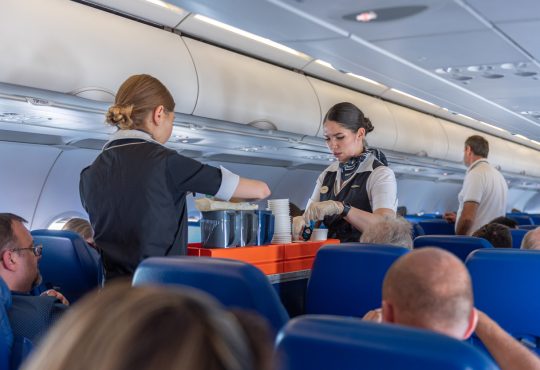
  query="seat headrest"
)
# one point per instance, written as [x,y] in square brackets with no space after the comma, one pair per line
[5,295]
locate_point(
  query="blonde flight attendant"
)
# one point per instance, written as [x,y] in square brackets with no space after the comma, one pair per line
[135,191]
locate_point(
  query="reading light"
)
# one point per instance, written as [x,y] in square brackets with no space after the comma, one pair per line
[249,35]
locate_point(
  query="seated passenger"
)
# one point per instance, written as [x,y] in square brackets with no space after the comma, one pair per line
[531,240]
[431,289]
[389,230]
[151,327]
[505,221]
[498,235]
[81,227]
[30,316]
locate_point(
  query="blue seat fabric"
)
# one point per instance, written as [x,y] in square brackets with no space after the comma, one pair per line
[329,342]
[346,279]
[459,245]
[517,237]
[233,283]
[437,227]
[68,264]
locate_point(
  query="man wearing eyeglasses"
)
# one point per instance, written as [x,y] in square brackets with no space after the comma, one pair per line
[30,316]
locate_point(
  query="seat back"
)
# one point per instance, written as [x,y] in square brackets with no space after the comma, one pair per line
[437,227]
[68,264]
[233,283]
[346,279]
[329,342]
[505,285]
[520,218]
[535,218]
[517,237]
[527,227]
[459,245]
[6,334]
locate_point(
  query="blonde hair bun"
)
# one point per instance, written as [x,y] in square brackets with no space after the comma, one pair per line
[120,116]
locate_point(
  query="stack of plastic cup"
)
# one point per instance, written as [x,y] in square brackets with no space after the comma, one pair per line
[282,220]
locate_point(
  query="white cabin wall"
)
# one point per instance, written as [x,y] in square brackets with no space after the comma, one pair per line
[60,196]
[24,169]
[522,200]
[427,196]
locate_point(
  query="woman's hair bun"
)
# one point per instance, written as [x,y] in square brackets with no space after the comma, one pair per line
[120,115]
[368,125]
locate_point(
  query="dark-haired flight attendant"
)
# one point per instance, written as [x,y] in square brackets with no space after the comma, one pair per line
[356,190]
[135,191]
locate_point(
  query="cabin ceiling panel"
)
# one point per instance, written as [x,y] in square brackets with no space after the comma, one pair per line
[456,49]
[278,25]
[507,11]
[525,34]
[438,18]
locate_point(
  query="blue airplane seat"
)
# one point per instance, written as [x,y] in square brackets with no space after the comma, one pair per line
[6,334]
[68,264]
[417,230]
[329,342]
[527,227]
[535,217]
[346,279]
[505,285]
[520,218]
[437,227]
[459,245]
[517,237]
[233,283]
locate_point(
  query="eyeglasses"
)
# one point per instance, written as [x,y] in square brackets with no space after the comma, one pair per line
[36,249]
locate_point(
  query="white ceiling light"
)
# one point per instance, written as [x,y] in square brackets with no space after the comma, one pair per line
[364,79]
[166,5]
[325,64]
[250,35]
[493,127]
[413,97]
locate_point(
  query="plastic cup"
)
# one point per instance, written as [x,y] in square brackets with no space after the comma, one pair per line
[319,234]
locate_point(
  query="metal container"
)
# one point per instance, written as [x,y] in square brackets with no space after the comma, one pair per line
[265,230]
[247,225]
[218,229]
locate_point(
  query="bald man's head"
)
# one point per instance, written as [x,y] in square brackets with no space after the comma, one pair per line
[531,239]
[429,288]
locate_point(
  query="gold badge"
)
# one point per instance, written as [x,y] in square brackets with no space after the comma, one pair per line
[324,190]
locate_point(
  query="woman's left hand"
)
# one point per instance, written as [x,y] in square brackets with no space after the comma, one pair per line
[317,211]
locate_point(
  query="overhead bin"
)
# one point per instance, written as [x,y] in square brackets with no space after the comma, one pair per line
[418,133]
[236,88]
[456,136]
[384,134]
[72,48]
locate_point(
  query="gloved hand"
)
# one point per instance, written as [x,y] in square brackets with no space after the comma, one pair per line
[298,223]
[318,210]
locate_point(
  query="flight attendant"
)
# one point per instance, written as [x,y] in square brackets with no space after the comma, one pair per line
[135,191]
[356,190]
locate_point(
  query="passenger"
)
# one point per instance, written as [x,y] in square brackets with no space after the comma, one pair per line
[394,231]
[531,240]
[431,289]
[358,189]
[498,235]
[483,196]
[30,316]
[505,221]
[81,227]
[135,191]
[147,328]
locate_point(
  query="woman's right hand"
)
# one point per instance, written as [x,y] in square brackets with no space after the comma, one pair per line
[298,227]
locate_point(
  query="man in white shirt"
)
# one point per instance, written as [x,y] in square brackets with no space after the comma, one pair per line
[484,191]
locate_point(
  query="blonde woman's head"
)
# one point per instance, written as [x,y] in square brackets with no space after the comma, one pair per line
[150,327]
[139,100]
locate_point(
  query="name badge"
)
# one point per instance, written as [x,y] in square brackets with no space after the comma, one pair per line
[355,186]
[324,190]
